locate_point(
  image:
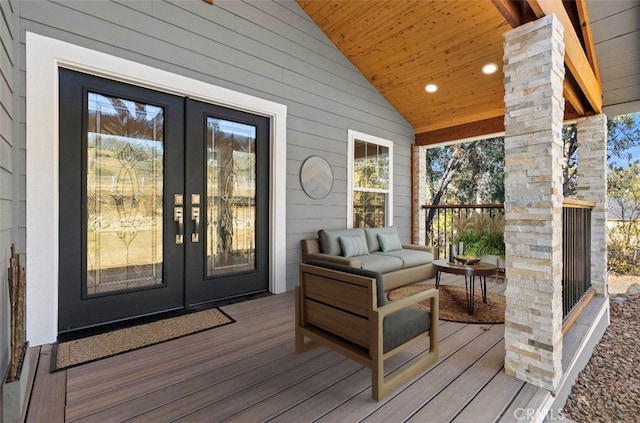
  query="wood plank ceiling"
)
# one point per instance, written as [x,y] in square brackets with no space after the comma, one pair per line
[400,46]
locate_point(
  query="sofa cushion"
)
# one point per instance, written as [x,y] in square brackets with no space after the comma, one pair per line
[353,245]
[404,325]
[389,242]
[329,243]
[379,263]
[381,295]
[409,258]
[372,236]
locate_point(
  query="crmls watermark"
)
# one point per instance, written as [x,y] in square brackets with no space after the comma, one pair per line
[528,414]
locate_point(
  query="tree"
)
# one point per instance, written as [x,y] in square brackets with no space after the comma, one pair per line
[466,173]
[623,192]
[474,172]
[470,172]
[623,133]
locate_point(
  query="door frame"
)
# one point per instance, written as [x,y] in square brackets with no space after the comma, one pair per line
[43,57]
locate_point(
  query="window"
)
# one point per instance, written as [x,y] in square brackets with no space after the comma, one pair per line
[370,181]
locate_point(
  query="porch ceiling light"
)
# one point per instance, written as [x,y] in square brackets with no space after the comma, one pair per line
[489,68]
[431,88]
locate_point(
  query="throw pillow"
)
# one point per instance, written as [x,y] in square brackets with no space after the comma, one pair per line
[353,246]
[389,242]
[372,236]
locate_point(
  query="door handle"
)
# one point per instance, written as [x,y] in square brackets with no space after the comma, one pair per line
[178,217]
[195,216]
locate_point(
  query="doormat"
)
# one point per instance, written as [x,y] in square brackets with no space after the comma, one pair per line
[80,351]
[453,303]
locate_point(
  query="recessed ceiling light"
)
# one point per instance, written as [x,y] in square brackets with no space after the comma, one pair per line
[489,68]
[431,88]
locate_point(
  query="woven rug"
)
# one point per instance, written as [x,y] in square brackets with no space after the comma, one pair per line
[453,303]
[80,351]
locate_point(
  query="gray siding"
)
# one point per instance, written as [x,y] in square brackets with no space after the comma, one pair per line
[11,164]
[269,49]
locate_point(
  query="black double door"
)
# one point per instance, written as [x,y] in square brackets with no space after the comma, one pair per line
[163,202]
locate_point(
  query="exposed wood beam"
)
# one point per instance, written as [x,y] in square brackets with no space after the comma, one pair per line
[515,12]
[575,57]
[209,1]
[511,12]
[572,95]
[587,36]
[468,130]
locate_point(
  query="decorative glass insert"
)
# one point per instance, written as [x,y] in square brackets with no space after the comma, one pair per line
[371,186]
[124,171]
[231,197]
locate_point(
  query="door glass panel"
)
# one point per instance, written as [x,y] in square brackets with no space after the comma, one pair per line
[231,197]
[124,167]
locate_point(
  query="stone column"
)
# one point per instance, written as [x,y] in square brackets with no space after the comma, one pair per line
[534,74]
[592,186]
[419,166]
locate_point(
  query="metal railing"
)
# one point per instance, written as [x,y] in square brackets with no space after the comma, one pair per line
[576,241]
[440,218]
[576,252]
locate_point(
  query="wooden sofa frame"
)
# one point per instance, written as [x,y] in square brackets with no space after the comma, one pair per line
[339,310]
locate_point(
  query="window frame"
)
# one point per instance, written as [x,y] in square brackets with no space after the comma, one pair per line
[354,136]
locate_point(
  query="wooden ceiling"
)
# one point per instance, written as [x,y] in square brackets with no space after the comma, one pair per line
[400,46]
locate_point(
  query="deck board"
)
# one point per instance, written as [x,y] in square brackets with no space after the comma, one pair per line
[453,399]
[248,371]
[48,394]
[501,388]
[430,384]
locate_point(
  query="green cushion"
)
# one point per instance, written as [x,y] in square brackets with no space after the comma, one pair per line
[328,239]
[389,242]
[372,236]
[380,262]
[410,258]
[353,246]
[404,325]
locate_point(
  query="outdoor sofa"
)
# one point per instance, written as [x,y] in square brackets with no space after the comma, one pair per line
[375,249]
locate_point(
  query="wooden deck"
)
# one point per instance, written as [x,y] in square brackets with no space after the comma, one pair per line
[248,372]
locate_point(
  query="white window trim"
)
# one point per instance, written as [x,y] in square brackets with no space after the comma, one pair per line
[43,57]
[352,137]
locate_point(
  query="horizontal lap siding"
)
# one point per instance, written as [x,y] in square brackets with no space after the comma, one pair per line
[269,49]
[9,164]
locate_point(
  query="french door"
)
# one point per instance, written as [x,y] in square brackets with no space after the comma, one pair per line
[163,202]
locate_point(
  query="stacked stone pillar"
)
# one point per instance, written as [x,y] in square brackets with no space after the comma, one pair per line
[592,186]
[534,74]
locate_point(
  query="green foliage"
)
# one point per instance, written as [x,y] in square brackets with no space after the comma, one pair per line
[624,248]
[623,191]
[481,234]
[473,172]
[482,243]
[623,132]
[470,172]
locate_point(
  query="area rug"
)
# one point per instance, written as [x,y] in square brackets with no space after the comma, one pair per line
[80,351]
[453,303]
